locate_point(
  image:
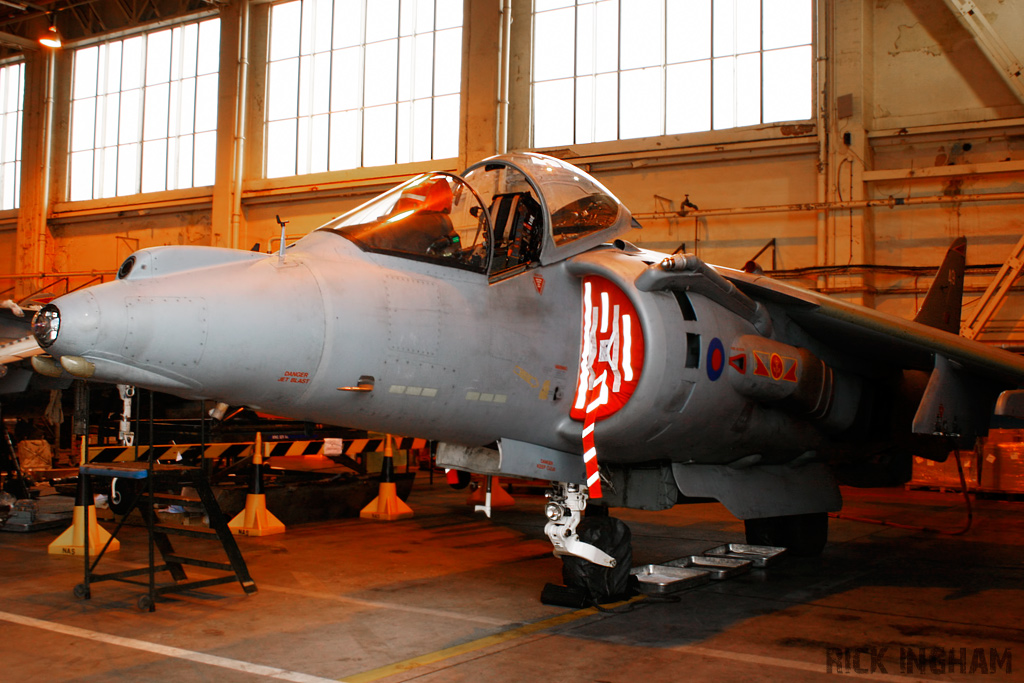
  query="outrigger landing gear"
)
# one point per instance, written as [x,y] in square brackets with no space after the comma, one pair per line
[596,551]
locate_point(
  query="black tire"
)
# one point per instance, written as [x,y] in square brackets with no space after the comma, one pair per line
[803,535]
[145,603]
[602,584]
[81,592]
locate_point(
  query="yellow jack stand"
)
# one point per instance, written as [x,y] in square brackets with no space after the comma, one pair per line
[256,519]
[83,521]
[387,506]
[489,496]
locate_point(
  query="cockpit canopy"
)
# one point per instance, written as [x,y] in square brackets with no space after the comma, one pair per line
[432,217]
[502,216]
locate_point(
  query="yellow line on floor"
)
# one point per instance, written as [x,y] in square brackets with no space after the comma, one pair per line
[474,645]
[529,629]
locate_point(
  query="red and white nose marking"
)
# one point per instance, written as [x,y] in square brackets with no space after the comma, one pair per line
[611,357]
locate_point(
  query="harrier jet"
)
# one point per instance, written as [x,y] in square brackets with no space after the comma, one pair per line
[501,314]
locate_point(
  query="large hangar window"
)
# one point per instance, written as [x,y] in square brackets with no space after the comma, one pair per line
[619,69]
[355,83]
[144,113]
[12,91]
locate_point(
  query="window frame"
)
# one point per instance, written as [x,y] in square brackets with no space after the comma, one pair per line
[521,114]
[171,189]
[15,163]
[257,165]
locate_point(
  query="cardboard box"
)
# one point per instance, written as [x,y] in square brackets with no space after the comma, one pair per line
[1002,467]
[945,475]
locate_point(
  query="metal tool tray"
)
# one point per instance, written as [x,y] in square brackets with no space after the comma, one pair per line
[760,555]
[658,579]
[718,566]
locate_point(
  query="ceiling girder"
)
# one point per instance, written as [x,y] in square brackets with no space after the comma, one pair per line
[22,22]
[994,47]
[17,41]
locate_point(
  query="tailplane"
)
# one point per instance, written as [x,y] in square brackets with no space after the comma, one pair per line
[944,300]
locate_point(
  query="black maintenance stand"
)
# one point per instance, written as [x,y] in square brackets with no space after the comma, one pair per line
[151,483]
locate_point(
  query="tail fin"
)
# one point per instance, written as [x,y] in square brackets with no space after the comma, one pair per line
[944,300]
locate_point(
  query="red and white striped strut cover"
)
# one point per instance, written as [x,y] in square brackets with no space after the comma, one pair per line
[611,358]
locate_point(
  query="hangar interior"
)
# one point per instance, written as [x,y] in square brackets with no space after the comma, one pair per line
[842,144]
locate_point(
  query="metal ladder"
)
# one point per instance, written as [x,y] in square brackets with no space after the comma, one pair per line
[994,296]
[153,483]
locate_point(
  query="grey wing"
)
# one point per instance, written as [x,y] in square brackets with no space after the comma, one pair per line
[969,381]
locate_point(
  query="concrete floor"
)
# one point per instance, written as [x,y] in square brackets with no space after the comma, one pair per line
[451,596]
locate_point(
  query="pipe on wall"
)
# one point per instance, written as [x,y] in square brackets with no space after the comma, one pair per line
[823,64]
[47,170]
[503,76]
[890,202]
[242,74]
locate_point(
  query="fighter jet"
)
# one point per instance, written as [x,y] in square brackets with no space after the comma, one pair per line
[500,313]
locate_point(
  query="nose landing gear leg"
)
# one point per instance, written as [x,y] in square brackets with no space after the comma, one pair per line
[596,552]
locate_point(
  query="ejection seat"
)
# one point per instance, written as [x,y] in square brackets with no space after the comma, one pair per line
[516,217]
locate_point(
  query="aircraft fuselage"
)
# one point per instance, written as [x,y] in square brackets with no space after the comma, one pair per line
[450,356]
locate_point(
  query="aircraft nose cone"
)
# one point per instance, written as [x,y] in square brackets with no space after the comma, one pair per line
[70,328]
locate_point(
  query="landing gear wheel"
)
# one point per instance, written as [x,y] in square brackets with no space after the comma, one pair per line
[81,592]
[602,584]
[804,535]
[145,603]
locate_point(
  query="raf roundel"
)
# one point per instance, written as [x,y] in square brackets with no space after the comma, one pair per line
[716,359]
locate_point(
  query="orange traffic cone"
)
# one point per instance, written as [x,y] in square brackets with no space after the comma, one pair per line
[256,519]
[83,521]
[387,505]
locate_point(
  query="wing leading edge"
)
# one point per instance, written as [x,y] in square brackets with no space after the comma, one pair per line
[966,377]
[910,344]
